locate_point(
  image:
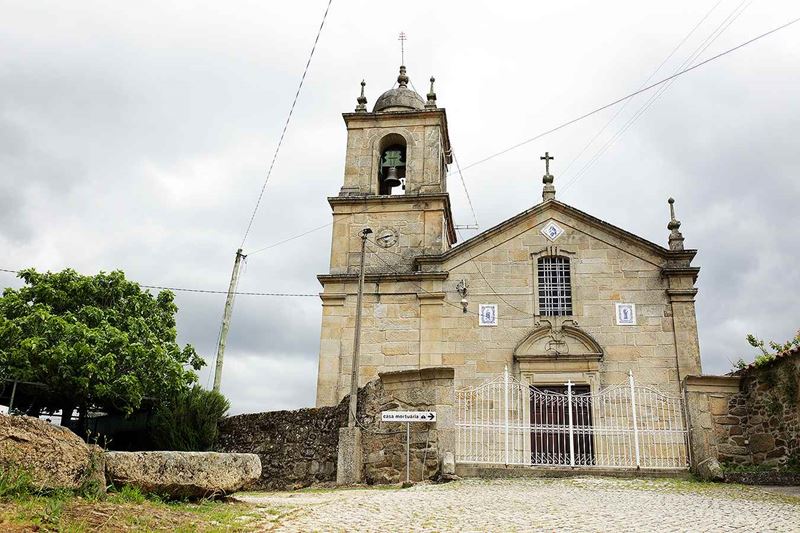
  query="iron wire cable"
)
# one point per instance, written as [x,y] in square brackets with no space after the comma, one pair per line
[464,183]
[273,245]
[622,108]
[206,291]
[631,95]
[719,30]
[286,125]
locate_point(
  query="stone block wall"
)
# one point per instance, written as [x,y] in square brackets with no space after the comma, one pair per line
[384,444]
[748,419]
[762,422]
[419,322]
[299,448]
[707,400]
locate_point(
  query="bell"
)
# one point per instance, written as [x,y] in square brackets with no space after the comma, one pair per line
[391,179]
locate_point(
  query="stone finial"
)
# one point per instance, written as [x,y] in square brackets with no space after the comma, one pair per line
[549,190]
[362,100]
[675,236]
[402,79]
[431,103]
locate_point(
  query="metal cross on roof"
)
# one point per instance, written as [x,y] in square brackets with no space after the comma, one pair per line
[547,158]
[402,38]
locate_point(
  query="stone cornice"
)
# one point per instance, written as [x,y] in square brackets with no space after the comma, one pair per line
[440,372]
[707,383]
[332,298]
[383,277]
[559,357]
[431,297]
[681,295]
[681,271]
[668,255]
[367,199]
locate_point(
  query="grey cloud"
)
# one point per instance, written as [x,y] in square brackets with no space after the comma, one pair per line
[138,136]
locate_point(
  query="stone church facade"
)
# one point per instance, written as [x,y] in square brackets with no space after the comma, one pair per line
[553,293]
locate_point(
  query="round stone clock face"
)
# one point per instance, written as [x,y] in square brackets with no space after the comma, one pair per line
[386,237]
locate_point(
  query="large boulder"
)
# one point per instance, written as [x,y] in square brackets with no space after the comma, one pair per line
[184,474]
[54,456]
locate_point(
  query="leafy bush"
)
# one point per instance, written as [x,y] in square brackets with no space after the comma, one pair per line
[189,421]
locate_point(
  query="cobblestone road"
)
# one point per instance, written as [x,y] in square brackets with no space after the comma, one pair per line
[577,504]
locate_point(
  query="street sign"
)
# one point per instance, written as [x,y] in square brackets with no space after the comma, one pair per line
[408,416]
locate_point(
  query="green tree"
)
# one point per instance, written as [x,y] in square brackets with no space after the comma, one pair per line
[93,341]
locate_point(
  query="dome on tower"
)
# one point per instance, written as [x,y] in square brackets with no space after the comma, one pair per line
[400,99]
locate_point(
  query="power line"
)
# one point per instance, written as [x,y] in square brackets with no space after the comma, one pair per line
[418,286]
[719,30]
[286,125]
[464,183]
[565,172]
[273,245]
[205,291]
[303,234]
[631,95]
[475,264]
[208,291]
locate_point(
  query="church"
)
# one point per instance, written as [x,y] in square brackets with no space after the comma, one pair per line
[550,296]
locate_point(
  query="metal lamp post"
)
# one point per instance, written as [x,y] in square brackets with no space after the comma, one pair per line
[351,420]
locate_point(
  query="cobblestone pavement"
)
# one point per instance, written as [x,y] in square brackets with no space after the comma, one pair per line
[576,504]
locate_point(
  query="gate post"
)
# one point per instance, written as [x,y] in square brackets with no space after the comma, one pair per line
[571,438]
[505,386]
[635,423]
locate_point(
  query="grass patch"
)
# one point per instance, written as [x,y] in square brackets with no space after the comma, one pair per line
[15,482]
[26,507]
[76,514]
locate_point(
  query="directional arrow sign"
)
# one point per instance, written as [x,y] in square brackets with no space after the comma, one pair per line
[408,416]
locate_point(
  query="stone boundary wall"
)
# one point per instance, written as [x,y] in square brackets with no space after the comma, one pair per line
[299,448]
[384,444]
[707,403]
[296,448]
[765,416]
[749,419]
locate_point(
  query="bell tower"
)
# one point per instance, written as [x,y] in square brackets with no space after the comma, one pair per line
[395,182]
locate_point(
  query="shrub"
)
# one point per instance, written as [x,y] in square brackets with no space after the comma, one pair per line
[189,421]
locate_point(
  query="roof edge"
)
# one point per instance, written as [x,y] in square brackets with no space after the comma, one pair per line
[666,253]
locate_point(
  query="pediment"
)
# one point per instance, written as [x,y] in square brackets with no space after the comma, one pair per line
[553,339]
[555,210]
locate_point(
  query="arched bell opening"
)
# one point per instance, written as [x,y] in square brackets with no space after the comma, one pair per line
[392,165]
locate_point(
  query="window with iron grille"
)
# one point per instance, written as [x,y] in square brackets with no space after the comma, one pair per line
[555,286]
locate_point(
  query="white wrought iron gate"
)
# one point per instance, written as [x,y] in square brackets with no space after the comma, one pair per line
[506,421]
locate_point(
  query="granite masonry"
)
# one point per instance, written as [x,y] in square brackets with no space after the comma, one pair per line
[552,277]
[748,419]
[299,448]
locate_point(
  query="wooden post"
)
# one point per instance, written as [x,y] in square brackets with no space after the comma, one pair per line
[226,318]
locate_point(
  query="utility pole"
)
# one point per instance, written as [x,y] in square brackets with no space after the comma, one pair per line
[351,420]
[226,318]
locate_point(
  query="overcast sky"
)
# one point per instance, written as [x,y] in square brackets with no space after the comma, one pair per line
[136,136]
